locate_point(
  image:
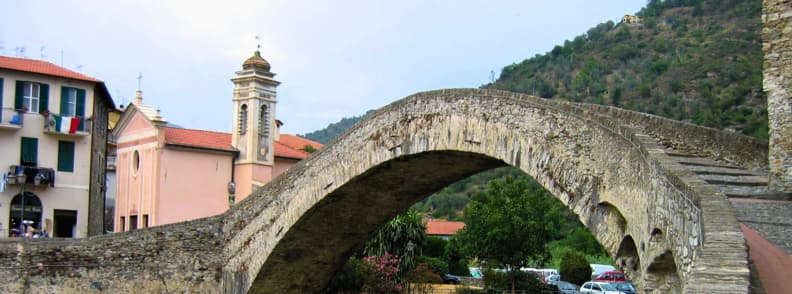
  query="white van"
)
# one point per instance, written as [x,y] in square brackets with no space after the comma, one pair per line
[597,269]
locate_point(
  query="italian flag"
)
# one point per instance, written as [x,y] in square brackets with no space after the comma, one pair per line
[66,124]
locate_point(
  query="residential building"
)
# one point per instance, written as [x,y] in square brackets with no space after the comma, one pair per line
[443,229]
[53,138]
[168,174]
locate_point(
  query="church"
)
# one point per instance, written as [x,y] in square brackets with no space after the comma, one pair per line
[166,174]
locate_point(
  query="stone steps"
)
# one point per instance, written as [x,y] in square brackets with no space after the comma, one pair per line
[764,210]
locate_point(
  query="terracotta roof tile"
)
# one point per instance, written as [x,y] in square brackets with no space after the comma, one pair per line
[286,147]
[198,138]
[443,227]
[41,67]
[296,142]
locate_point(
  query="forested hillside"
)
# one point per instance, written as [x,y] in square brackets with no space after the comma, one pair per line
[693,60]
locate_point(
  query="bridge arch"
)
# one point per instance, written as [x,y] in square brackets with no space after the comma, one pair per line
[292,234]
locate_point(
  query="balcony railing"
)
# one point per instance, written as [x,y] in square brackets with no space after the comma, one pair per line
[56,124]
[31,175]
[10,119]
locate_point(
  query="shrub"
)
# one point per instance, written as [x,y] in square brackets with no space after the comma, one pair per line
[575,269]
[437,265]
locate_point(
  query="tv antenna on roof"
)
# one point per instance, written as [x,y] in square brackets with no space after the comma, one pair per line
[20,52]
[79,67]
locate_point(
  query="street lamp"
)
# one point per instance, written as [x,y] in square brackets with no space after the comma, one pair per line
[410,248]
[231,195]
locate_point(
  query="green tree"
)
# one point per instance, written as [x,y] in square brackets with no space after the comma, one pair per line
[509,225]
[394,237]
[575,268]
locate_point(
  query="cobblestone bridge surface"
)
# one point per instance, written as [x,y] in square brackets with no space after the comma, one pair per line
[636,181]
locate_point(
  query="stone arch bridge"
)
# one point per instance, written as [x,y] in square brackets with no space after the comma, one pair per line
[618,170]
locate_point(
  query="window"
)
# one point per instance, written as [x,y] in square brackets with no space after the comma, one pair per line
[135,162]
[68,105]
[31,96]
[65,156]
[28,152]
[73,104]
[123,224]
[145,221]
[30,99]
[133,222]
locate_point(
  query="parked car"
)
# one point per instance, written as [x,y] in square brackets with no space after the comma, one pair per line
[599,288]
[597,269]
[450,279]
[565,287]
[611,276]
[624,287]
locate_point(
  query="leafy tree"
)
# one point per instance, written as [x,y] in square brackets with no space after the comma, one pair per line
[575,268]
[434,247]
[509,225]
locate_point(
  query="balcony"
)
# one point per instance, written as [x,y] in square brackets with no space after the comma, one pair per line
[10,119]
[66,127]
[31,175]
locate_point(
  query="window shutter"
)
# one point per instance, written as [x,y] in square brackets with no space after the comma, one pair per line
[80,108]
[1,100]
[29,154]
[63,100]
[65,156]
[20,92]
[44,98]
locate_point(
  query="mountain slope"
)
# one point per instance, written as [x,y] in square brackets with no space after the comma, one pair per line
[693,60]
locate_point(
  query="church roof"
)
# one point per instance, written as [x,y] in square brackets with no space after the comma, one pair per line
[42,67]
[198,138]
[289,146]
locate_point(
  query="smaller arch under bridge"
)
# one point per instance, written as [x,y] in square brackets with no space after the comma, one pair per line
[669,229]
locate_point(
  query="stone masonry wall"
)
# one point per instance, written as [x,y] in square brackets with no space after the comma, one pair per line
[777,47]
[178,258]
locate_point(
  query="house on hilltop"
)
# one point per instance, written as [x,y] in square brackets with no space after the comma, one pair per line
[168,174]
[443,229]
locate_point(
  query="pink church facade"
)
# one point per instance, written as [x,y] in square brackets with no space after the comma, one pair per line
[167,174]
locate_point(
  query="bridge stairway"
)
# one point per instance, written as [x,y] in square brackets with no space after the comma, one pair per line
[765,215]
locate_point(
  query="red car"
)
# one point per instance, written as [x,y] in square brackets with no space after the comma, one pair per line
[611,276]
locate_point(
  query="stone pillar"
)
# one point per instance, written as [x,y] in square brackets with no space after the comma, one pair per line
[777,48]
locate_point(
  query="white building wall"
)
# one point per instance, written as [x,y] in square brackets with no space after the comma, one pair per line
[71,188]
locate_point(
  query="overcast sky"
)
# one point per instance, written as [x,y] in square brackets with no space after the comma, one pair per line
[335,59]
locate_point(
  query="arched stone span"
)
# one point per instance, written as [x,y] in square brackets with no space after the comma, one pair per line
[289,236]
[295,232]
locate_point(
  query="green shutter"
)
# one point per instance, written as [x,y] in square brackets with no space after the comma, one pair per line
[64,92]
[1,100]
[44,98]
[65,156]
[20,92]
[29,152]
[80,108]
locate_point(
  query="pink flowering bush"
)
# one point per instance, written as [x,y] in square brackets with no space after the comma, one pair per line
[382,274]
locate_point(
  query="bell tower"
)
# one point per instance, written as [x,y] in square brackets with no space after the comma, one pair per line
[254,124]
